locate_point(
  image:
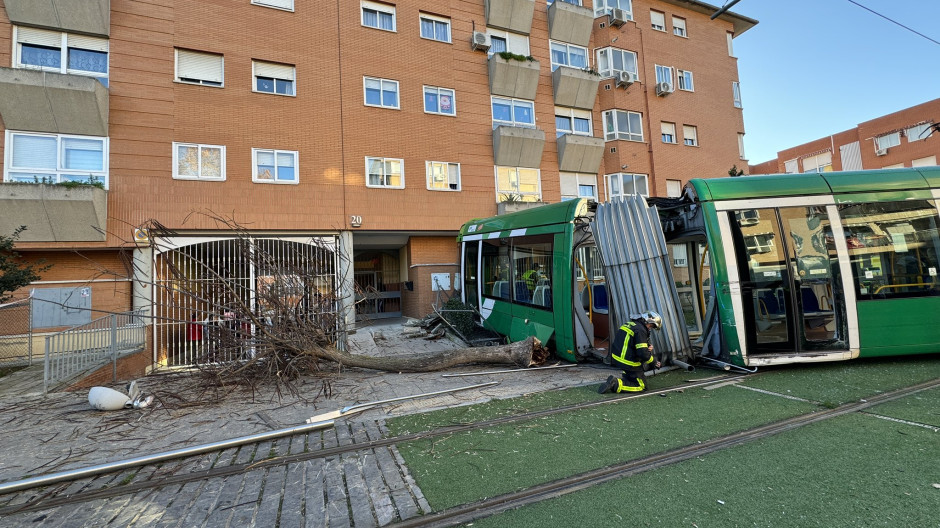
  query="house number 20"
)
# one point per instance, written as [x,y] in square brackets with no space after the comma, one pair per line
[355,220]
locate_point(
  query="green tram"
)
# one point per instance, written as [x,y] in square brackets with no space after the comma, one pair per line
[768,269]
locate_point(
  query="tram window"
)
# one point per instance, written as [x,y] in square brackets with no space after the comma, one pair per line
[532,269]
[496,269]
[590,262]
[894,248]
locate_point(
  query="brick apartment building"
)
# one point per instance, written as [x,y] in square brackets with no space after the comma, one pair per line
[375,129]
[899,139]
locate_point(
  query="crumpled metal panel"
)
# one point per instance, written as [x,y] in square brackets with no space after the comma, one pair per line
[638,269]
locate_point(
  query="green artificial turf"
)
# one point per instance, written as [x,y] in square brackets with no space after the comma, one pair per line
[837,383]
[470,466]
[923,407]
[851,471]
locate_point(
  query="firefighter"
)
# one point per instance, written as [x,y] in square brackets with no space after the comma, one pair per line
[532,277]
[632,351]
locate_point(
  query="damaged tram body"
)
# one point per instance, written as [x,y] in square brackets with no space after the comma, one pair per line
[747,271]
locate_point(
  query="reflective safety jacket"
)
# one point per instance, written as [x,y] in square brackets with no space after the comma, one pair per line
[630,348]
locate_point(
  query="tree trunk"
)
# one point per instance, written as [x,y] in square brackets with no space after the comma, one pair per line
[522,354]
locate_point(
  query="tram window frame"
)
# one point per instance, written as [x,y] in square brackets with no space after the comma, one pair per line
[897,228]
[508,259]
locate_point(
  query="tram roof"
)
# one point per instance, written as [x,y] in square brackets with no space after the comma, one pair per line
[779,185]
[548,214]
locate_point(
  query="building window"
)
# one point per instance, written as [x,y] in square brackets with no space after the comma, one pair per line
[685,81]
[568,55]
[929,161]
[572,121]
[917,132]
[198,162]
[741,147]
[621,124]
[381,92]
[888,140]
[690,135]
[513,112]
[197,67]
[435,27]
[378,16]
[674,190]
[730,45]
[439,101]
[678,27]
[58,52]
[273,78]
[55,158]
[612,61]
[385,172]
[669,132]
[603,7]
[658,20]
[621,185]
[274,166]
[443,176]
[575,185]
[518,183]
[287,5]
[505,41]
[821,162]
[572,2]
[762,243]
[664,74]
[736,90]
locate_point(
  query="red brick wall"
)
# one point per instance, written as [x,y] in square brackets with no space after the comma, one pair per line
[428,255]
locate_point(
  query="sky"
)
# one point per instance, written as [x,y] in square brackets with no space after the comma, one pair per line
[812,68]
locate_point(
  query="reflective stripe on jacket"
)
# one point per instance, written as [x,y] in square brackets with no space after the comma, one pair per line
[636,354]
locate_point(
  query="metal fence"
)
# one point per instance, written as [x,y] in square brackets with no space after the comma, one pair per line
[16,334]
[92,345]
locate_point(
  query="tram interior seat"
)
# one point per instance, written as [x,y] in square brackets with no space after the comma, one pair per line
[522,291]
[812,313]
[501,289]
[599,297]
[542,296]
[770,304]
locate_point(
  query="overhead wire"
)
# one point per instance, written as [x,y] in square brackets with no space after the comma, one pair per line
[893,21]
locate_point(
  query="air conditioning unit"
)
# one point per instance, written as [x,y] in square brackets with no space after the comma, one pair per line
[663,88]
[881,152]
[617,17]
[625,78]
[480,41]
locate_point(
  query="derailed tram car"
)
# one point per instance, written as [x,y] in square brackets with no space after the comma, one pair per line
[759,270]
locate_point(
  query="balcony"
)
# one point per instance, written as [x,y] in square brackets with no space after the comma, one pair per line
[574,87]
[570,23]
[54,213]
[91,17]
[514,77]
[580,153]
[511,15]
[38,101]
[517,146]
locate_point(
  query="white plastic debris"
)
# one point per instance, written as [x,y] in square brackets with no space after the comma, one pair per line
[106,399]
[721,502]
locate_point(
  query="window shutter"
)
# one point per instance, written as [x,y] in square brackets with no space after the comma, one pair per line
[35,152]
[276,71]
[283,4]
[88,43]
[197,65]
[39,37]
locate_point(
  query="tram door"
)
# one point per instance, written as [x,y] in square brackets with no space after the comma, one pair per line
[790,277]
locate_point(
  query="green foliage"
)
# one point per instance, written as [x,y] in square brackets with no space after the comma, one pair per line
[735,171]
[92,181]
[511,198]
[508,55]
[14,273]
[459,315]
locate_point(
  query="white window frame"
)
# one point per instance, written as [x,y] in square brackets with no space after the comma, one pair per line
[365,100]
[63,41]
[55,175]
[654,19]
[736,93]
[929,161]
[887,141]
[439,90]
[385,175]
[554,44]
[741,146]
[679,27]
[661,72]
[621,177]
[610,117]
[575,181]
[664,127]
[432,176]
[673,189]
[612,71]
[603,7]
[276,71]
[515,43]
[254,166]
[572,114]
[914,133]
[201,147]
[200,56]
[730,43]
[285,5]
[435,18]
[501,194]
[378,8]
[759,243]
[512,102]
[686,80]
[690,135]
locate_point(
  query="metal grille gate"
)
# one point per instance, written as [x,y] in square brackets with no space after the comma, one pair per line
[202,288]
